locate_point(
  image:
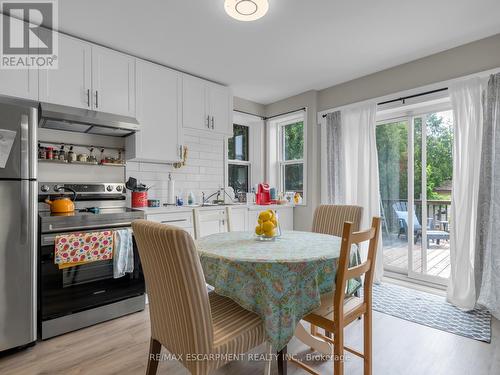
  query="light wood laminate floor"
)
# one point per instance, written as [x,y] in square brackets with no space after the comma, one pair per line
[120,347]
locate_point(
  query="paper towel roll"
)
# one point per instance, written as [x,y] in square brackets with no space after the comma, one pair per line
[171,192]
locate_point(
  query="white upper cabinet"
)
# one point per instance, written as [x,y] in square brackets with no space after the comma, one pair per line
[113,82]
[159,111]
[70,84]
[90,77]
[19,83]
[206,106]
[220,109]
[194,101]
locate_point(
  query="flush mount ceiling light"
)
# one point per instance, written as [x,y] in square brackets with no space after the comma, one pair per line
[246,10]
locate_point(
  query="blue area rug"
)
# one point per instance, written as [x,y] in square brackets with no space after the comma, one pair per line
[432,311]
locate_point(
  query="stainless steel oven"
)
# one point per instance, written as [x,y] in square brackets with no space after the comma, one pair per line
[85,294]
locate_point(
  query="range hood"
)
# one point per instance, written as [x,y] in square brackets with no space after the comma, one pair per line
[58,117]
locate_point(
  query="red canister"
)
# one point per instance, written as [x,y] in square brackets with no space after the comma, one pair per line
[139,199]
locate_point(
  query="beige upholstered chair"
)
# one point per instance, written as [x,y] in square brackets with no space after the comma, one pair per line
[337,311]
[330,219]
[185,319]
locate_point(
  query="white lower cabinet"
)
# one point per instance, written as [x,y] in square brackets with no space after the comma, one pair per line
[285,216]
[182,220]
[213,221]
[239,219]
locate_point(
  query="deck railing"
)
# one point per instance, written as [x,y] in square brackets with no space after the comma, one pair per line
[438,210]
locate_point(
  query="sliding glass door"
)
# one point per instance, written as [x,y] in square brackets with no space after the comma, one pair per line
[415,169]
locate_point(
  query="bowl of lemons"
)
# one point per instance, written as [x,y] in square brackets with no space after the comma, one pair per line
[267,228]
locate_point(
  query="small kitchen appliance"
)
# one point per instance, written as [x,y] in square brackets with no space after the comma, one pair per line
[263,196]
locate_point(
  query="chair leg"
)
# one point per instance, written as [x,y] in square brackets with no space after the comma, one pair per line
[269,352]
[282,368]
[338,351]
[314,332]
[154,350]
[367,345]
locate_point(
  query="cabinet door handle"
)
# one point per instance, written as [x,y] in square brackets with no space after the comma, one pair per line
[180,152]
[213,122]
[208,121]
[173,221]
[88,98]
[96,99]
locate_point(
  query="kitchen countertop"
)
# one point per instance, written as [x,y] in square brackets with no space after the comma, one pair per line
[175,209]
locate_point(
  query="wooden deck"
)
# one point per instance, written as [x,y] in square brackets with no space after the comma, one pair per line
[438,257]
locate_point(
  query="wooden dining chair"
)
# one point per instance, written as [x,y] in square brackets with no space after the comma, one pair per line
[221,216]
[187,320]
[337,311]
[330,219]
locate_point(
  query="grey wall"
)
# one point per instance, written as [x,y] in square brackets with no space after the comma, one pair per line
[248,106]
[303,214]
[457,62]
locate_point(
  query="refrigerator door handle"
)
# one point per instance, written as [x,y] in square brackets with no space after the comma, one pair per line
[25,146]
[32,145]
[33,225]
[25,213]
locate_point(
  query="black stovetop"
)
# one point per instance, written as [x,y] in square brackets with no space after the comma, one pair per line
[84,220]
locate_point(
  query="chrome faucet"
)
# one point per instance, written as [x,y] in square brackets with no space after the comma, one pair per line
[218,193]
[205,200]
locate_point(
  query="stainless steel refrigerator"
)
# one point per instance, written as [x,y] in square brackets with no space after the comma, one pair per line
[18,223]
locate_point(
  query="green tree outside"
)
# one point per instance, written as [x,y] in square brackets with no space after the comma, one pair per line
[392,147]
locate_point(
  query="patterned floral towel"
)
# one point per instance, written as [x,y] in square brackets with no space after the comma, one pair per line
[80,248]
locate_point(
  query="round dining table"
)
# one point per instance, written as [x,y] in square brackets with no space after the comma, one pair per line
[280,280]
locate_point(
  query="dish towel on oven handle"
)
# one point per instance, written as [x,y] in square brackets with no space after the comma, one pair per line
[75,249]
[123,254]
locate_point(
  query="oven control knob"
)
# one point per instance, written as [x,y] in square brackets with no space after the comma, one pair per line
[109,188]
[44,188]
[119,188]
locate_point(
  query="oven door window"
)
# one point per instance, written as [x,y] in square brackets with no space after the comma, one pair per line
[87,273]
[69,290]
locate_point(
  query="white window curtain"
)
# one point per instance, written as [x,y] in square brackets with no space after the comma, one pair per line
[358,175]
[467,111]
[487,265]
[334,159]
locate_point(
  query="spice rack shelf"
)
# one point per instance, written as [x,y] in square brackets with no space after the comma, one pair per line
[54,161]
[106,159]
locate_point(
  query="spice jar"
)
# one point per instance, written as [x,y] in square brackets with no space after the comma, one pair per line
[71,154]
[62,154]
[82,158]
[41,152]
[49,153]
[55,154]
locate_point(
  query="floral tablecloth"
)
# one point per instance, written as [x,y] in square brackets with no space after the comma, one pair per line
[280,280]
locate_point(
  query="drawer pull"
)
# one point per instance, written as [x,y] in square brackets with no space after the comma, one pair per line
[173,221]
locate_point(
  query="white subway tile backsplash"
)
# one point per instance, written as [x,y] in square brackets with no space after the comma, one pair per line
[190,139]
[203,172]
[211,170]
